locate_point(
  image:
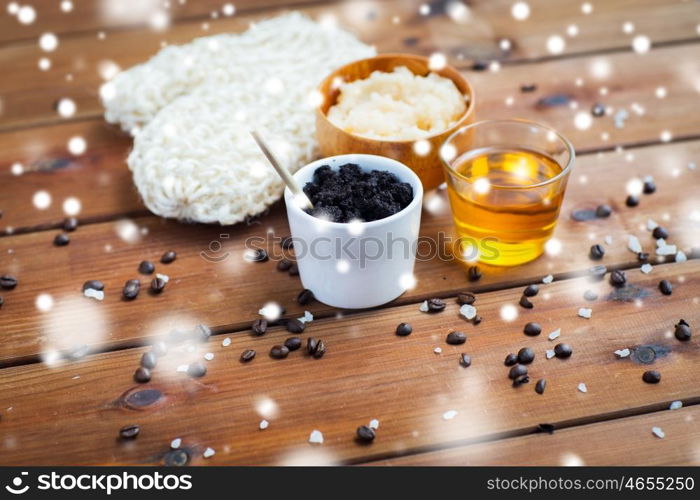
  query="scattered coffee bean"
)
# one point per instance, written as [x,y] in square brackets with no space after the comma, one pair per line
[94,284]
[456,338]
[259,326]
[597,252]
[247,355]
[649,186]
[659,232]
[287,243]
[532,329]
[294,269]
[597,273]
[279,352]
[8,282]
[531,290]
[148,360]
[480,66]
[70,224]
[257,255]
[366,434]
[618,278]
[517,371]
[562,351]
[598,110]
[665,287]
[131,289]
[177,458]
[651,377]
[196,369]
[467,298]
[168,257]
[295,326]
[522,379]
[2,301]
[642,256]
[320,349]
[305,297]
[311,345]
[590,295]
[293,343]
[540,386]
[603,211]
[157,285]
[632,201]
[404,329]
[511,359]
[525,302]
[682,331]
[146,267]
[129,431]
[526,356]
[476,319]
[474,273]
[465,360]
[61,240]
[142,375]
[436,305]
[530,87]
[284,265]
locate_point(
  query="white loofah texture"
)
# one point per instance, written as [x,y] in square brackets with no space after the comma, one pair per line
[191,109]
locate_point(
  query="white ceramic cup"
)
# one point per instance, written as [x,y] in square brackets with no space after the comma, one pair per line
[359,264]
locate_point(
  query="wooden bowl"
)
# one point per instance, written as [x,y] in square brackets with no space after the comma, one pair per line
[335,141]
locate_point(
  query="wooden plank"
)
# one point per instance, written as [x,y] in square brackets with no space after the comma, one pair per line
[199,287]
[29,95]
[624,441]
[71,413]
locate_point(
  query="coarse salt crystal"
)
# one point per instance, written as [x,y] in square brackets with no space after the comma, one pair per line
[550,353]
[94,294]
[424,307]
[437,350]
[164,277]
[208,453]
[585,312]
[548,279]
[307,318]
[449,415]
[651,225]
[676,405]
[608,240]
[182,368]
[667,250]
[175,443]
[681,256]
[622,353]
[646,268]
[226,342]
[316,437]
[582,387]
[468,311]
[555,334]
[633,244]
[264,424]
[209,356]
[692,165]
[658,432]
[374,423]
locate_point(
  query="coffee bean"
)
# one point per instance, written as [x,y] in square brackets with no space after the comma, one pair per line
[597,252]
[465,360]
[540,386]
[682,331]
[177,458]
[320,349]
[129,431]
[247,355]
[366,434]
[257,255]
[522,379]
[2,301]
[131,289]
[168,257]
[517,371]
[632,201]
[531,87]
[665,287]
[597,273]
[148,360]
[287,243]
[474,273]
[618,278]
[157,285]
[598,110]
[305,297]
[659,232]
[404,329]
[642,256]
[160,348]
[456,338]
[511,359]
[293,343]
[525,302]
[526,356]
[649,186]
[311,345]
[590,295]
[146,267]
[603,211]
[651,377]
[562,351]
[294,269]
[436,305]
[259,326]
[94,284]
[295,326]
[61,240]
[531,291]
[284,265]
[142,375]
[466,298]
[8,282]
[196,369]
[476,319]
[480,66]
[532,329]
[70,224]
[202,333]
[279,352]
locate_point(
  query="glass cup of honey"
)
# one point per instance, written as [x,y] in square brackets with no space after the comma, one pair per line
[506,181]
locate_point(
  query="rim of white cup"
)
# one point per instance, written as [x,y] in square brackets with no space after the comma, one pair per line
[357,158]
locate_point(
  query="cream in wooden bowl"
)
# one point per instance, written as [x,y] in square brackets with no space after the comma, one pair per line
[394,105]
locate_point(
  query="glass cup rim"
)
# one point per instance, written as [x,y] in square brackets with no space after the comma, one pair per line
[518,121]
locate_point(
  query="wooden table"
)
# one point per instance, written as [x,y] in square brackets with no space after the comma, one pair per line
[62,405]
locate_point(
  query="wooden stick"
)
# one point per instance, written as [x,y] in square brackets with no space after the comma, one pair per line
[298,193]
